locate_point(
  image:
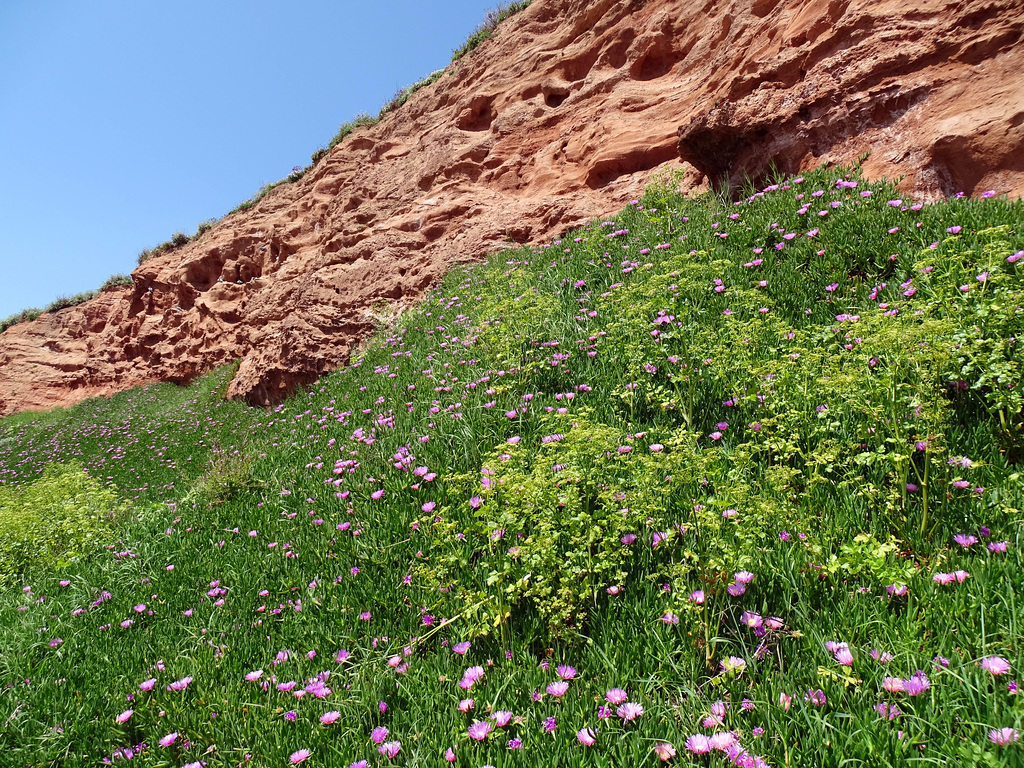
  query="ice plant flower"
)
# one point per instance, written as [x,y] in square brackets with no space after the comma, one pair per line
[299,756]
[479,730]
[629,711]
[664,750]
[501,718]
[565,672]
[615,696]
[699,744]
[996,665]
[817,698]
[586,737]
[558,688]
[1003,736]
[390,749]
[379,735]
[329,717]
[123,717]
[167,740]
[916,684]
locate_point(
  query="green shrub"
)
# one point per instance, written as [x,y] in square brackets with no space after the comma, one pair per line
[228,475]
[204,227]
[116,281]
[348,127]
[488,26]
[19,317]
[403,95]
[54,520]
[63,302]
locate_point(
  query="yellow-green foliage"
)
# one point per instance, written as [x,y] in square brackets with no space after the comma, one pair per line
[53,520]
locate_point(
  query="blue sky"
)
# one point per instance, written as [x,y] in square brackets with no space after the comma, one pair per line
[124,121]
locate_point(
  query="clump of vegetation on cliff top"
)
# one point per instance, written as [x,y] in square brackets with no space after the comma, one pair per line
[489,26]
[707,477]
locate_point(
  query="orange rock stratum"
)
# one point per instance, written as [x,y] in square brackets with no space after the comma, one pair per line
[561,118]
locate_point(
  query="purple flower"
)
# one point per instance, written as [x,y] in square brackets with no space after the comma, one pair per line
[916,684]
[965,540]
[817,698]
[379,734]
[461,648]
[479,730]
[565,672]
[550,724]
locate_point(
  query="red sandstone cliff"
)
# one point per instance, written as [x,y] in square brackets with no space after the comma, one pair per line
[561,118]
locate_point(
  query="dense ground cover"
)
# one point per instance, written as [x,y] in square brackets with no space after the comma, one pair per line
[713,482]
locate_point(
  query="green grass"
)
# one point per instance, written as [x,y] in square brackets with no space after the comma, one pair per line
[720,473]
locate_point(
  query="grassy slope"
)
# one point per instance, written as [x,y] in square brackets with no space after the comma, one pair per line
[549,458]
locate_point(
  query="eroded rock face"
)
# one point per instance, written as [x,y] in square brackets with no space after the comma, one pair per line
[563,117]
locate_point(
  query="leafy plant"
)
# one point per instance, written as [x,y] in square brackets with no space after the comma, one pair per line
[55,519]
[115,281]
[489,26]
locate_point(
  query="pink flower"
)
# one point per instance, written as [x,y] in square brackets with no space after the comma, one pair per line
[465,705]
[664,751]
[147,685]
[501,718]
[893,685]
[167,740]
[123,717]
[698,744]
[615,696]
[629,711]
[378,735]
[586,737]
[558,688]
[995,664]
[461,648]
[299,756]
[179,685]
[565,672]
[253,676]
[479,730]
[329,717]
[1003,736]
[390,749]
